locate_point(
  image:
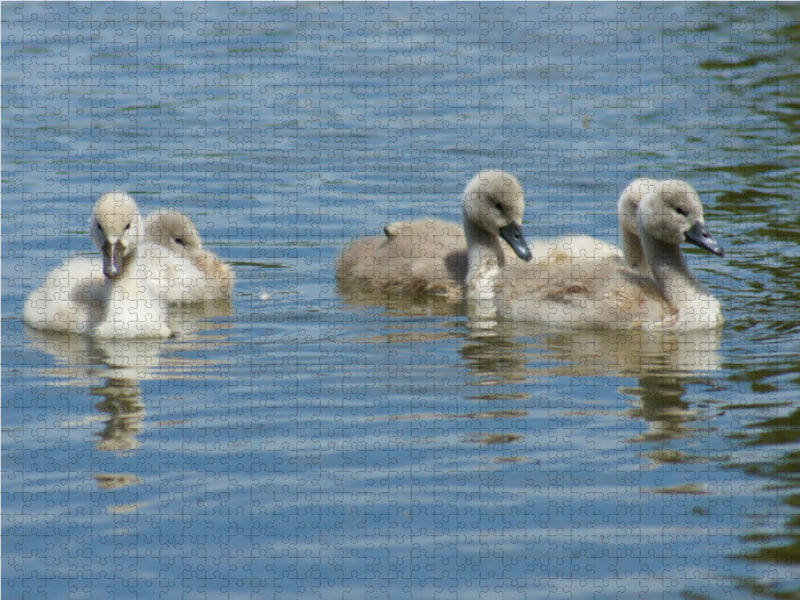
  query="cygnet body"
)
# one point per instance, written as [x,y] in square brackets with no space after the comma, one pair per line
[105,299]
[426,257]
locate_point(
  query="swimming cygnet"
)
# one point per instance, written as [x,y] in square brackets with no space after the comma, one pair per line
[183,270]
[426,256]
[492,209]
[586,292]
[429,256]
[109,298]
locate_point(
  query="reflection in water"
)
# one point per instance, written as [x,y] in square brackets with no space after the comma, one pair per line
[190,319]
[660,360]
[114,481]
[122,402]
[400,334]
[504,357]
[493,356]
[501,355]
[122,364]
[591,353]
[777,528]
[398,304]
[80,359]
[492,349]
[662,407]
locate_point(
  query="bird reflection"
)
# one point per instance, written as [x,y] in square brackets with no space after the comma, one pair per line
[523,350]
[399,304]
[493,355]
[503,355]
[662,407]
[500,352]
[119,365]
[123,404]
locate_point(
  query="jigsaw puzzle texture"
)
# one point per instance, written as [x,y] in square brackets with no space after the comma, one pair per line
[389,300]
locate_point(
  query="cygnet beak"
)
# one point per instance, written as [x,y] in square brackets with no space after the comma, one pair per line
[512,233]
[700,236]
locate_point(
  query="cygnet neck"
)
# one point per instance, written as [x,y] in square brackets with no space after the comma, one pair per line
[484,261]
[669,269]
[632,249]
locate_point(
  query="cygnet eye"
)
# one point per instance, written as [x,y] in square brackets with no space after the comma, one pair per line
[179,241]
[680,211]
[498,206]
[128,226]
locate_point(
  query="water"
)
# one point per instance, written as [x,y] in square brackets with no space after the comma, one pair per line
[303,442]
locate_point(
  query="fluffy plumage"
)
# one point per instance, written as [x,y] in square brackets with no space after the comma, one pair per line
[183,270]
[584,291]
[106,298]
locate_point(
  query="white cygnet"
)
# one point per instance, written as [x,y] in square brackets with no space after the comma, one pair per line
[111,298]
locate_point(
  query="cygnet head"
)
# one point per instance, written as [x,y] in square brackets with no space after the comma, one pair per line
[494,202]
[672,213]
[174,230]
[116,231]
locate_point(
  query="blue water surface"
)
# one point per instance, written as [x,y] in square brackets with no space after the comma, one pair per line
[301,442]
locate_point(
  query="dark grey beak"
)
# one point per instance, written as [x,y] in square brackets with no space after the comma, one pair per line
[512,233]
[700,236]
[113,259]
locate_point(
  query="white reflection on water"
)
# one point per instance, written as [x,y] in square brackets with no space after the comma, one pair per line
[121,364]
